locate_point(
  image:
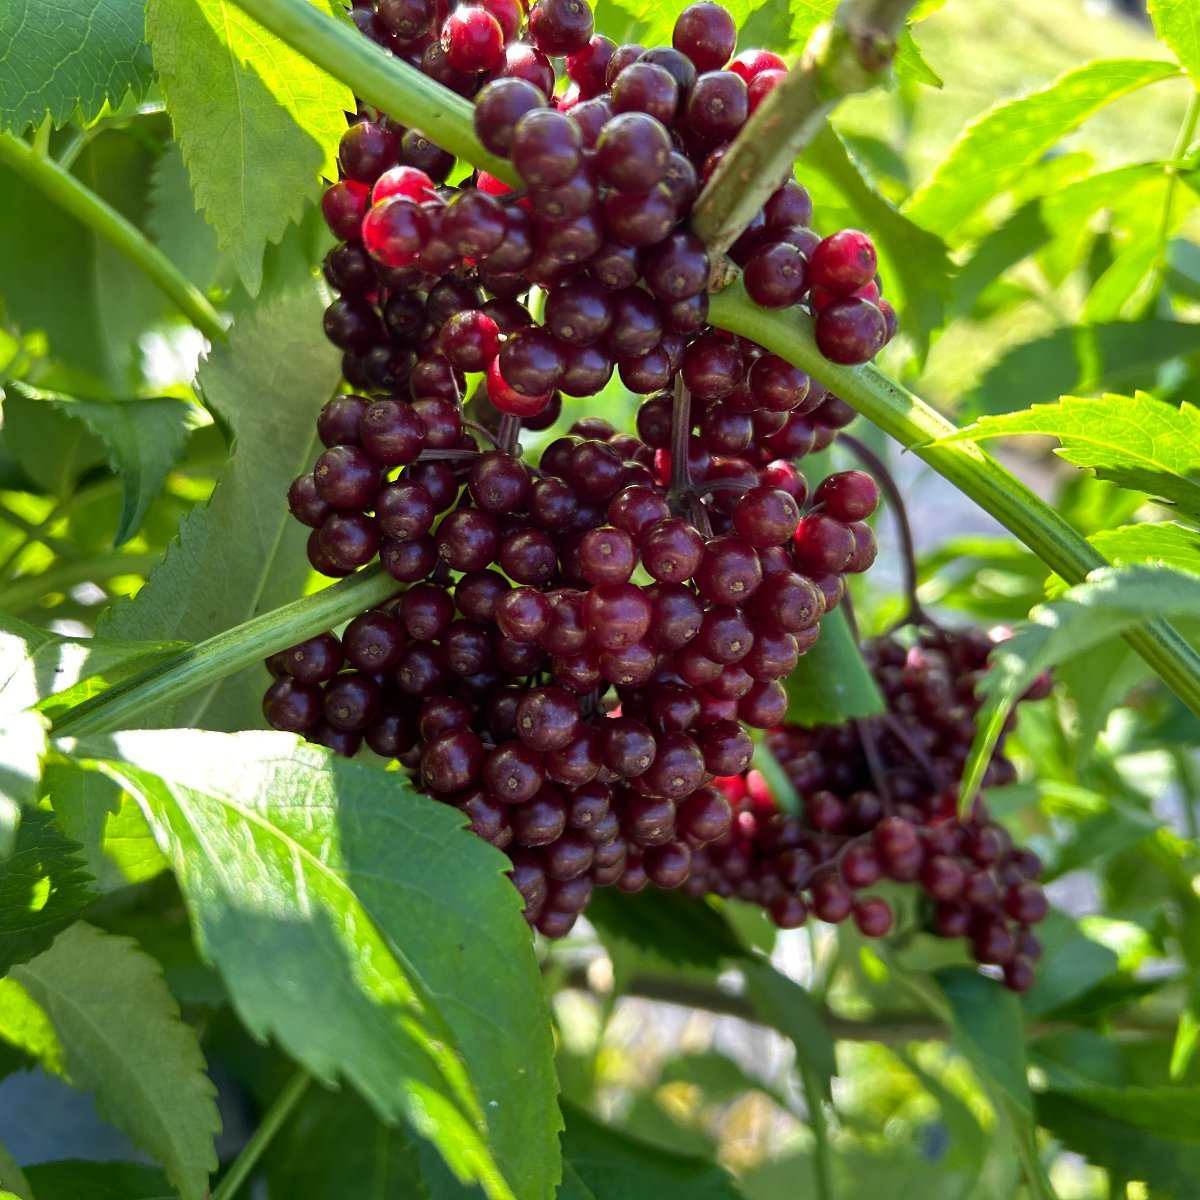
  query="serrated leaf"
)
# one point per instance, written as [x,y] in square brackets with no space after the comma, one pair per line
[43,888]
[1136,442]
[1178,24]
[1110,601]
[914,258]
[176,225]
[614,1165]
[71,1179]
[991,153]
[22,737]
[1144,1134]
[910,62]
[335,1147]
[12,1179]
[258,123]
[666,925]
[341,880]
[832,684]
[69,58]
[1168,542]
[143,438]
[123,1041]
[243,553]
[1097,358]
[786,1006]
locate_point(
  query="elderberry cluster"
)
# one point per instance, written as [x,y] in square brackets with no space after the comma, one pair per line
[878,801]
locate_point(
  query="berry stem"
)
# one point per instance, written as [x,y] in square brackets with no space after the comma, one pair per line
[681,432]
[866,730]
[102,219]
[916,614]
[508,437]
[851,53]
[379,78]
[920,428]
[204,664]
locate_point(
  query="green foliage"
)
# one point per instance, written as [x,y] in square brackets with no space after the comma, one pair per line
[70,1179]
[352,898]
[122,1040]
[22,737]
[235,558]
[832,683]
[259,117]
[12,1178]
[69,59]
[1175,21]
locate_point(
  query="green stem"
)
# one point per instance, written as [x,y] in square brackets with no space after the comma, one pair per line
[285,1103]
[822,1155]
[103,220]
[1187,132]
[975,473]
[380,78]
[218,657]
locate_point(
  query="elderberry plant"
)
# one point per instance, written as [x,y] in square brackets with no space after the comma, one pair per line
[461,610]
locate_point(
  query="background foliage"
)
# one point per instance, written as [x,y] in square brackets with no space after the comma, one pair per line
[171,919]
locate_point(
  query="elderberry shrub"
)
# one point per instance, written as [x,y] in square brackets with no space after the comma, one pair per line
[576,651]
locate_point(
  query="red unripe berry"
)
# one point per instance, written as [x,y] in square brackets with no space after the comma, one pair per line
[762,85]
[507,399]
[843,262]
[410,182]
[472,39]
[395,231]
[751,63]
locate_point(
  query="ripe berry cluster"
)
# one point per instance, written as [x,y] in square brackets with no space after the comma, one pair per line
[578,717]
[432,277]
[878,800]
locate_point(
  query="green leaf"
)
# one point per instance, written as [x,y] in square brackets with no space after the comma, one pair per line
[1148,1135]
[69,59]
[71,1179]
[12,1179]
[1094,359]
[992,152]
[1139,443]
[22,737]
[914,259]
[177,227]
[335,1147]
[43,888]
[1177,23]
[339,878]
[1004,247]
[124,1042]
[243,553]
[614,1166]
[910,62]
[786,1006]
[1110,601]
[1166,542]
[832,684]
[1072,963]
[666,925]
[240,99]
[144,439]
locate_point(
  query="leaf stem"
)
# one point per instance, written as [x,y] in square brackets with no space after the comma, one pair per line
[380,78]
[916,426]
[1187,131]
[229,652]
[274,1119]
[102,219]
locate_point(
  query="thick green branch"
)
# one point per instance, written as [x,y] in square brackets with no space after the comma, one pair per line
[378,77]
[223,655]
[851,53]
[975,473]
[102,219]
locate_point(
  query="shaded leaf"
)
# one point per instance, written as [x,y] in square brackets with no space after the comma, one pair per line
[1139,442]
[243,553]
[614,1166]
[239,99]
[143,438]
[69,58]
[71,1179]
[832,684]
[43,888]
[176,225]
[991,153]
[12,1179]
[786,1006]
[1178,24]
[123,1040]
[1072,963]
[340,879]
[668,925]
